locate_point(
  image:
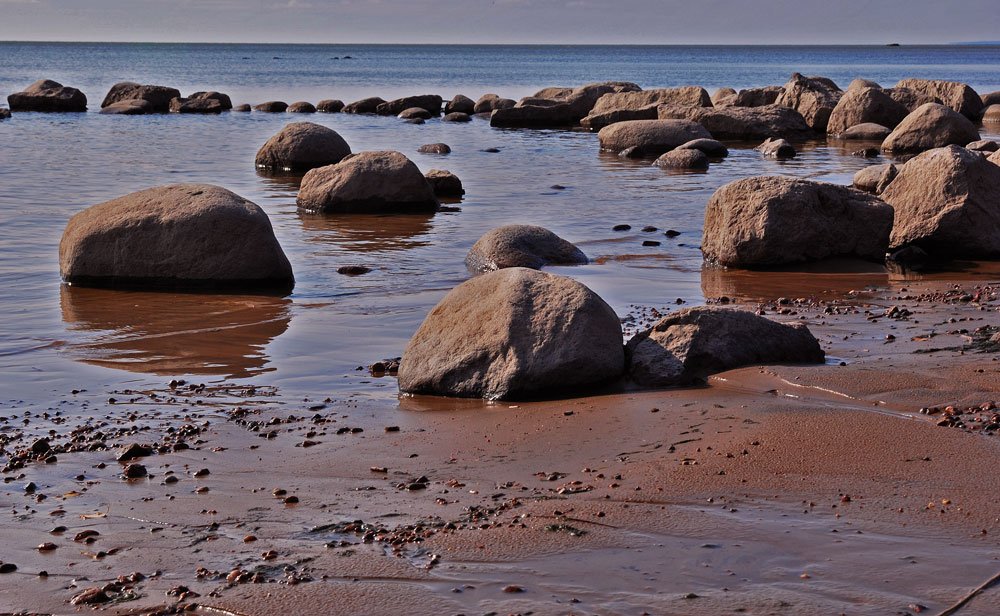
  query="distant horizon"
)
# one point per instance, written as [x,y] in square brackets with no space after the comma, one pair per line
[522,44]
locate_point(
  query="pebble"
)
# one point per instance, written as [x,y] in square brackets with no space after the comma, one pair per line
[621,227]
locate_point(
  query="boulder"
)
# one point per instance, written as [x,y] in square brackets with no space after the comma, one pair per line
[558,114]
[368,182]
[429,102]
[47,95]
[992,113]
[487,103]
[182,235]
[650,137]
[911,99]
[983,145]
[4,113]
[223,99]
[865,132]
[194,105]
[434,148]
[711,147]
[993,98]
[456,116]
[365,105]
[301,146]
[583,99]
[244,108]
[271,107]
[744,123]
[947,202]
[682,159]
[722,93]
[693,96]
[756,97]
[512,334]
[766,221]
[875,178]
[301,107]
[776,148]
[693,343]
[860,84]
[414,113]
[330,105]
[414,121]
[460,104]
[158,96]
[994,158]
[136,106]
[597,121]
[444,183]
[930,126]
[521,246]
[958,96]
[865,105]
[813,97]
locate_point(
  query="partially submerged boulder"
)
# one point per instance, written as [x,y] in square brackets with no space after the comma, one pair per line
[992,98]
[711,147]
[512,334]
[429,102]
[301,146]
[181,235]
[195,105]
[413,113]
[766,221]
[444,183]
[650,137]
[301,107]
[744,123]
[930,126]
[875,178]
[865,105]
[868,131]
[456,116]
[960,97]
[597,121]
[365,105]
[135,106]
[272,107]
[532,116]
[48,96]
[434,148]
[680,158]
[487,103]
[460,104]
[4,113]
[983,145]
[776,148]
[330,105]
[693,96]
[367,182]
[224,101]
[693,343]
[813,97]
[947,202]
[158,96]
[521,246]
[992,113]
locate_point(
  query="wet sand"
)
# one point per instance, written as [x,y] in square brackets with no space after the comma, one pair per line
[779,489]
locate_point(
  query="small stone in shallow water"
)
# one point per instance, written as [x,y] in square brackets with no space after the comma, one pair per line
[621,227]
[353,270]
[671,233]
[650,243]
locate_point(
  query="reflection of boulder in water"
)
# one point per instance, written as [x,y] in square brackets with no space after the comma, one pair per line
[834,277]
[281,179]
[173,334]
[368,232]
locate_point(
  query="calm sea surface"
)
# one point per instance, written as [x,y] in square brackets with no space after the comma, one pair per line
[53,338]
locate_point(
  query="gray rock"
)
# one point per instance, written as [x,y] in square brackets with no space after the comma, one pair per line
[365,105]
[48,96]
[301,146]
[271,107]
[776,148]
[521,246]
[367,182]
[158,96]
[330,105]
[444,183]
[744,123]
[135,106]
[428,102]
[682,159]
[930,126]
[650,137]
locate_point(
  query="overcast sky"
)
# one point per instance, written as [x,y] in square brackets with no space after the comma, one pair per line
[504,21]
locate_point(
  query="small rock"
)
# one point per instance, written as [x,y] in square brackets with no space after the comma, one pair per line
[353,270]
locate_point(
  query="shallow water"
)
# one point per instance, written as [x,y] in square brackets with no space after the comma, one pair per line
[54,338]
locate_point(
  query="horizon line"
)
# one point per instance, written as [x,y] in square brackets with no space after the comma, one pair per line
[890,44]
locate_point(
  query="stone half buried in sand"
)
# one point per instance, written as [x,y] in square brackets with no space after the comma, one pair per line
[47,95]
[691,344]
[181,236]
[767,221]
[947,202]
[930,126]
[513,334]
[302,146]
[521,246]
[368,182]
[650,137]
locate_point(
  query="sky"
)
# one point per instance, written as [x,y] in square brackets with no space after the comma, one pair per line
[504,21]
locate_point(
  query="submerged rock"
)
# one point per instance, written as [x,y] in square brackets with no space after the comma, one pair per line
[521,246]
[434,148]
[367,182]
[776,148]
[48,96]
[711,147]
[680,158]
[302,146]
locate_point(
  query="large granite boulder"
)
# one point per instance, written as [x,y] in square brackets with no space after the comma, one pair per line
[865,105]
[521,246]
[582,100]
[875,178]
[533,116]
[430,102]
[756,97]
[992,113]
[930,126]
[911,99]
[722,94]
[365,105]
[512,334]
[650,137]
[560,106]
[693,343]
[868,131]
[958,96]
[813,97]
[460,104]
[597,121]
[488,103]
[158,96]
[181,235]
[301,146]
[47,95]
[860,83]
[136,106]
[693,96]
[744,123]
[367,182]
[765,221]
[947,202]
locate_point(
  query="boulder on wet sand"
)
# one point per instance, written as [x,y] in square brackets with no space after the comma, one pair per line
[930,126]
[444,183]
[693,343]
[813,97]
[958,96]
[456,116]
[135,106]
[983,145]
[301,146]
[489,102]
[271,107]
[223,99]
[947,202]
[330,105]
[194,105]
[460,104]
[158,96]
[434,148]
[875,178]
[521,246]
[682,159]
[865,132]
[181,235]
[865,105]
[365,105]
[765,221]
[429,102]
[650,137]
[47,95]
[711,147]
[367,182]
[301,107]
[744,123]
[992,113]
[776,148]
[414,113]
[756,97]
[722,93]
[512,334]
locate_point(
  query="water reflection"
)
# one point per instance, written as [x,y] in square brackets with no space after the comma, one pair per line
[174,334]
[825,279]
[281,181]
[368,232]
